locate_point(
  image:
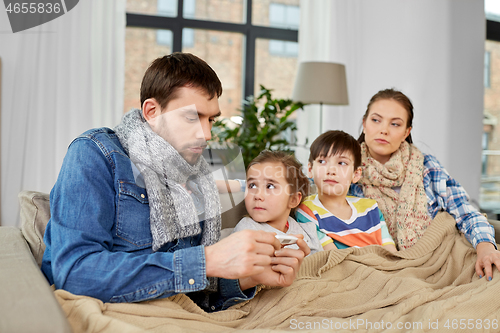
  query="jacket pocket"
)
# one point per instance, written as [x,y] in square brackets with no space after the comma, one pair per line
[132,223]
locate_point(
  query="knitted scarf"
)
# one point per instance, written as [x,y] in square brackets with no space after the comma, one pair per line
[173,214]
[405,213]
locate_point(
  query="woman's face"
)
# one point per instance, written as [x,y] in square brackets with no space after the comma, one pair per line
[385,128]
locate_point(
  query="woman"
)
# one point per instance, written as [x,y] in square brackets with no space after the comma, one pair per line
[394,168]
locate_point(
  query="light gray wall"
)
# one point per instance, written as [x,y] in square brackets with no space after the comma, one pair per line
[431,50]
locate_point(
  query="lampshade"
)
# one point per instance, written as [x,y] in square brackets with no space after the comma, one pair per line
[321,83]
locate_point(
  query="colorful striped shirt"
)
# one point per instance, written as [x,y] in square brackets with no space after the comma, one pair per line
[446,194]
[366,226]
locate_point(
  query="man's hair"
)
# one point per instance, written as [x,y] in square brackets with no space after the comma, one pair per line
[397,96]
[166,75]
[294,175]
[333,143]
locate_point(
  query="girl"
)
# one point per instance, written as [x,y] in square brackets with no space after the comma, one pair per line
[275,186]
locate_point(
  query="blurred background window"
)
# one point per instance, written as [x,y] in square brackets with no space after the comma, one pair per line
[246,42]
[490,180]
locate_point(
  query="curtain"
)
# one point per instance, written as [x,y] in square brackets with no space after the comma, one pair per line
[431,50]
[64,77]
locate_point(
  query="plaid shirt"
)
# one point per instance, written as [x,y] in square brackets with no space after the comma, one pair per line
[446,194]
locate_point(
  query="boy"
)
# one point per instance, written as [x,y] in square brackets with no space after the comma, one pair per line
[342,221]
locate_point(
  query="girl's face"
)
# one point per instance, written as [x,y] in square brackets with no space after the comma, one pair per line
[267,196]
[385,128]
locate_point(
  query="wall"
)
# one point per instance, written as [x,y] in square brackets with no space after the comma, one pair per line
[431,50]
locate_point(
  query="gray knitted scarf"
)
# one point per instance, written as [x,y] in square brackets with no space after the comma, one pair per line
[173,214]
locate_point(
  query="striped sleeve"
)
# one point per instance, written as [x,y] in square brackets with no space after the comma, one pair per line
[386,236]
[303,214]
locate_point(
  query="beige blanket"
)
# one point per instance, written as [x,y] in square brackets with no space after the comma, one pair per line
[430,287]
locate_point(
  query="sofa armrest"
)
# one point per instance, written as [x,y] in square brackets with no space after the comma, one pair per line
[27,303]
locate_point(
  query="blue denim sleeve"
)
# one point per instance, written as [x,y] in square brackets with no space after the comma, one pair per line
[82,256]
[231,294]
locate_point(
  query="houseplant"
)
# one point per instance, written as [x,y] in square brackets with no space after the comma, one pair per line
[264,121]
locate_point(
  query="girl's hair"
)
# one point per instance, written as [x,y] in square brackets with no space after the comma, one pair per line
[294,175]
[333,143]
[397,96]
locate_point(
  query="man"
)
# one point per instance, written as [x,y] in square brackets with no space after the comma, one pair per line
[135,213]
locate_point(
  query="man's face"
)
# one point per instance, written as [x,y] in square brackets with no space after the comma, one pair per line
[186,122]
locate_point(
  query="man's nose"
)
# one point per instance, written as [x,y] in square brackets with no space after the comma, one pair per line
[204,131]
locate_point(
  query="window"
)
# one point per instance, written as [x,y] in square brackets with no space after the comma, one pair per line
[141,47]
[284,16]
[167,8]
[281,81]
[284,49]
[487,60]
[490,179]
[164,37]
[233,36]
[492,10]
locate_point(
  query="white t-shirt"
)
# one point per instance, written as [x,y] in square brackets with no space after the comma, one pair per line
[306,229]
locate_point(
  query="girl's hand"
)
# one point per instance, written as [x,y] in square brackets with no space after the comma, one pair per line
[231,186]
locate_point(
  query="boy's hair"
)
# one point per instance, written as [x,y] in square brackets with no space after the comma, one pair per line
[295,177]
[333,143]
[166,75]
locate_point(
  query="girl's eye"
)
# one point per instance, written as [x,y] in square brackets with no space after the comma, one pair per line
[396,124]
[343,163]
[375,120]
[252,185]
[321,161]
[270,186]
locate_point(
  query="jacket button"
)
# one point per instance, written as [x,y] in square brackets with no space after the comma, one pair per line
[191,281]
[143,196]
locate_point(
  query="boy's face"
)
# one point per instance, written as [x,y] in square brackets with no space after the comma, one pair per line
[267,196]
[334,174]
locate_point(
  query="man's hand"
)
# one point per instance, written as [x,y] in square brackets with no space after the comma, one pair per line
[487,256]
[242,254]
[284,267]
[255,257]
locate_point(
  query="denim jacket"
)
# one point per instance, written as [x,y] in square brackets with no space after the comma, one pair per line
[98,239]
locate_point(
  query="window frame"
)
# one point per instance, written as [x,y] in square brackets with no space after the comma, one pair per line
[250,32]
[493,30]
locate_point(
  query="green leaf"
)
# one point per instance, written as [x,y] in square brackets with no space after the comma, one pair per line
[252,136]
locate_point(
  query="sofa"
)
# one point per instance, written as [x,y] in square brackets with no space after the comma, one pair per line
[27,302]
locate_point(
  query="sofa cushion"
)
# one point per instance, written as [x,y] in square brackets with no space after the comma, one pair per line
[233,208]
[35,214]
[27,303]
